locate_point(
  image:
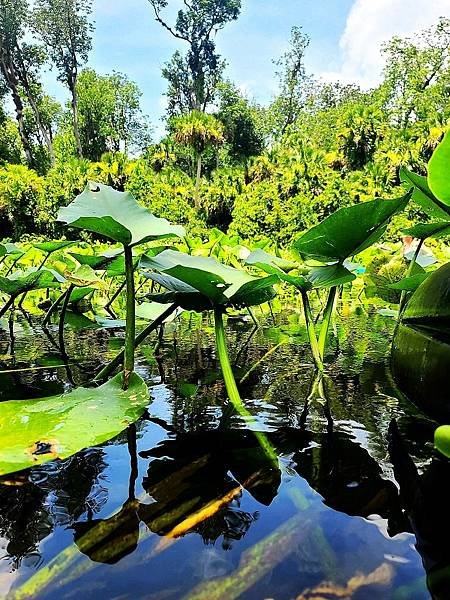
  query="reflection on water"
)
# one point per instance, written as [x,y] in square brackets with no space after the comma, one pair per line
[186,503]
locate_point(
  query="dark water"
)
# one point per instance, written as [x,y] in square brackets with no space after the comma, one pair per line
[186,503]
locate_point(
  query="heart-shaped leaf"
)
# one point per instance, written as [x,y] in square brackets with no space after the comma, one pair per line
[9,249]
[423,231]
[33,432]
[423,195]
[349,231]
[98,262]
[439,171]
[49,247]
[26,281]
[200,283]
[330,276]
[409,284]
[117,216]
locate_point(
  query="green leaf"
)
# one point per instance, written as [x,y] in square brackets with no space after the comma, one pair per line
[199,283]
[150,311]
[116,267]
[79,293]
[330,276]
[187,390]
[26,281]
[442,440]
[439,171]
[431,301]
[98,262]
[10,250]
[33,432]
[423,231]
[116,215]
[84,276]
[349,231]
[269,263]
[423,195]
[409,284]
[49,247]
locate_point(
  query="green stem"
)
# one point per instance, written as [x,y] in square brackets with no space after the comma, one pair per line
[52,308]
[329,309]
[7,306]
[409,274]
[230,384]
[62,318]
[130,330]
[117,361]
[311,331]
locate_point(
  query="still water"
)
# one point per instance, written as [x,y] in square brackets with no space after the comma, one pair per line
[186,503]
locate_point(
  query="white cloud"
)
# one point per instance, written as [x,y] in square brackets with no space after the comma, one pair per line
[370,23]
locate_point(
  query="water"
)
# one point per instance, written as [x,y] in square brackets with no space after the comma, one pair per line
[186,503]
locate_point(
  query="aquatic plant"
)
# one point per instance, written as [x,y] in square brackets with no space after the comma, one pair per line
[118,216]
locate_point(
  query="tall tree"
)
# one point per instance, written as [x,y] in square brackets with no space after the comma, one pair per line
[417,75]
[65,29]
[241,121]
[110,115]
[193,77]
[19,66]
[293,82]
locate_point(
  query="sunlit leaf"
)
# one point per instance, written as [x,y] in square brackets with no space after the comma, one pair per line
[423,231]
[117,216]
[439,171]
[423,195]
[34,432]
[442,440]
[26,281]
[349,230]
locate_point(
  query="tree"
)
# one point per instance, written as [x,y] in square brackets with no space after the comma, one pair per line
[417,76]
[241,121]
[64,27]
[293,82]
[19,66]
[199,131]
[193,77]
[110,117]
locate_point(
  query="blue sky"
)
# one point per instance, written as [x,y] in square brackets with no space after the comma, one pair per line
[345,41]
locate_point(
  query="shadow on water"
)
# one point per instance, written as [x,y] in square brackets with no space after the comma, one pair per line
[187,503]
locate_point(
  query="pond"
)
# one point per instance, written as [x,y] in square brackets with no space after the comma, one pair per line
[186,503]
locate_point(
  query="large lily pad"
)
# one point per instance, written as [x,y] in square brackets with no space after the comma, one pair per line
[423,195]
[199,283]
[117,216]
[33,432]
[318,277]
[431,301]
[26,281]
[49,247]
[439,171]
[349,231]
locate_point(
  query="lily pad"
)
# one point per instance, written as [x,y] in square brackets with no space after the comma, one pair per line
[117,216]
[423,195]
[33,432]
[349,231]
[26,281]
[438,171]
[199,283]
[49,247]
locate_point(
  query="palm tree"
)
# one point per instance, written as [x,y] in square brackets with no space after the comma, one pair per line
[199,131]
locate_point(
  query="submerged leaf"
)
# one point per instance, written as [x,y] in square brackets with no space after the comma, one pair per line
[33,432]
[116,215]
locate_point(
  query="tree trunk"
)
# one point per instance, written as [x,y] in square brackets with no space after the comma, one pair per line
[21,125]
[7,70]
[45,134]
[76,131]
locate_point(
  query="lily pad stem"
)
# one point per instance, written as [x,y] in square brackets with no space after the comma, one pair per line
[329,309]
[62,318]
[116,362]
[311,331]
[130,331]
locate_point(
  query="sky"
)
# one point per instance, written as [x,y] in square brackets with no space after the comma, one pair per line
[346,37]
